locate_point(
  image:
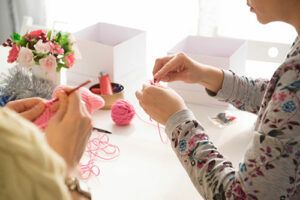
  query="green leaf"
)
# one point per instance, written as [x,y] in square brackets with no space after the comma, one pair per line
[59,66]
[64,42]
[15,37]
[58,35]
[22,42]
[49,35]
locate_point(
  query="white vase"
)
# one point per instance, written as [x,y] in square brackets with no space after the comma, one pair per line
[57,78]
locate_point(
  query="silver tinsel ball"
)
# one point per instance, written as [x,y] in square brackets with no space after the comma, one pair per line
[20,83]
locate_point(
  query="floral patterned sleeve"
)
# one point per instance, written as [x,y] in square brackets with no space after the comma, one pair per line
[211,174]
[242,92]
[270,169]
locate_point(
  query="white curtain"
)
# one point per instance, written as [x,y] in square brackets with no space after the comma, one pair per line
[232,18]
[13,11]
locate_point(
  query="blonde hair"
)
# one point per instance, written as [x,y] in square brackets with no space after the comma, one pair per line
[29,168]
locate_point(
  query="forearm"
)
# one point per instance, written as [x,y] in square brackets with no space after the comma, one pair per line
[209,171]
[242,92]
[259,175]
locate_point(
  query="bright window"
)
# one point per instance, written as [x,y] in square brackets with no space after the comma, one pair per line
[168,21]
[232,18]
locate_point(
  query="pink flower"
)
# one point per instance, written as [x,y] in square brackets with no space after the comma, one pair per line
[69,60]
[48,62]
[56,48]
[42,47]
[25,57]
[36,33]
[13,54]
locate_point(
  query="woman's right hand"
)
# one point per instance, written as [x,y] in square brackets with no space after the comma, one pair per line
[69,129]
[180,67]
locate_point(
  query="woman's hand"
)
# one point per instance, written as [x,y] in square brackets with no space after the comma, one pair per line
[69,129]
[160,103]
[180,67]
[29,108]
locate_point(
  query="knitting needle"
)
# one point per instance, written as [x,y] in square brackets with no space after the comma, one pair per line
[74,89]
[101,130]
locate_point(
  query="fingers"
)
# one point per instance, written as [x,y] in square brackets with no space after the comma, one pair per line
[24,104]
[84,110]
[64,88]
[159,63]
[139,95]
[172,76]
[63,105]
[54,107]
[146,94]
[145,86]
[174,65]
[77,107]
[34,112]
[74,103]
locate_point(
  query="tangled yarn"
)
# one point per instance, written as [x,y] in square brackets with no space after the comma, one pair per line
[93,102]
[98,148]
[122,112]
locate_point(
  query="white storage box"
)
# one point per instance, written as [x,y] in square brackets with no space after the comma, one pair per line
[116,50]
[225,53]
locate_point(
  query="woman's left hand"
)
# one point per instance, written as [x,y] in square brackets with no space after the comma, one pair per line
[29,108]
[160,102]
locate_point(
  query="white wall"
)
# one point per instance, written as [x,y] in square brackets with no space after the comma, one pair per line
[165,21]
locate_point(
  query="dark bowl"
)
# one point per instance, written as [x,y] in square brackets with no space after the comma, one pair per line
[118,93]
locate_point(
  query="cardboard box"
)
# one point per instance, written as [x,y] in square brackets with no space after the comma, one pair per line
[225,53]
[116,50]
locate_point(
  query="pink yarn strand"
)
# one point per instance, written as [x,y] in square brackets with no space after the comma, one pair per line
[98,147]
[89,169]
[164,141]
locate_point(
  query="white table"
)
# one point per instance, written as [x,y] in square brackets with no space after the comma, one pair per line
[147,169]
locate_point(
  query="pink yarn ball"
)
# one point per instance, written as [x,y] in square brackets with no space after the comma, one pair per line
[122,112]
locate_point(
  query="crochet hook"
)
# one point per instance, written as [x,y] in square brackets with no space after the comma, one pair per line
[74,89]
[101,130]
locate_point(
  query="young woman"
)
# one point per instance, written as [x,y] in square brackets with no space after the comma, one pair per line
[271,166]
[36,167]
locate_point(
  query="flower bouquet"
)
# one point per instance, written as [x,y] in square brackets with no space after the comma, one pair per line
[43,52]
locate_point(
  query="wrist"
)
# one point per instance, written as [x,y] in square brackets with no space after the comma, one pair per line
[177,119]
[212,78]
[71,172]
[77,188]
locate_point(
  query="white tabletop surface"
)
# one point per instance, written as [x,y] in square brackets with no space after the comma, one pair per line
[148,169]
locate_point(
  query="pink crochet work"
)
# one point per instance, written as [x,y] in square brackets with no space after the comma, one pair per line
[93,102]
